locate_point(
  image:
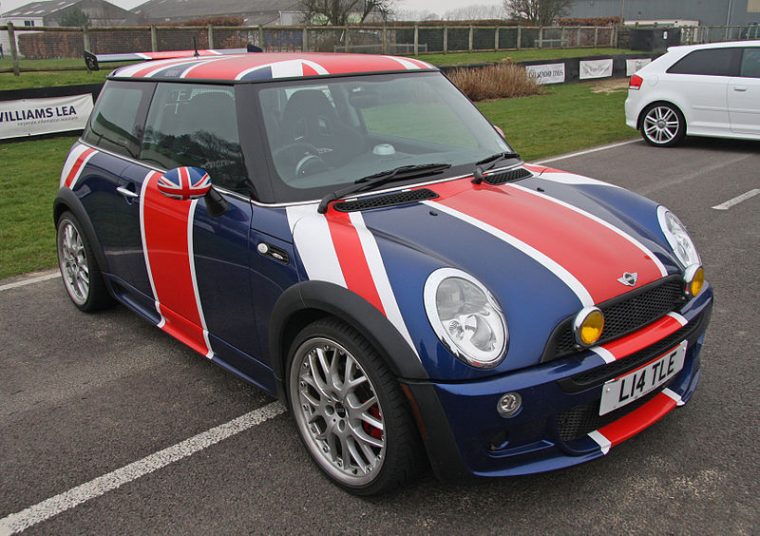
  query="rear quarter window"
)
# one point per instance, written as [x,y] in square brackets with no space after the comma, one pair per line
[116,122]
[750,63]
[710,62]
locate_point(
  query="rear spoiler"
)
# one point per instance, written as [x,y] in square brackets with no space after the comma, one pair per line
[93,61]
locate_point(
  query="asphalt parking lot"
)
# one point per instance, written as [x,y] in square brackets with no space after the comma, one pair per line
[84,396]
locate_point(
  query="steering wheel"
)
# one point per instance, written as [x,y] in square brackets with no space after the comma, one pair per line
[303,157]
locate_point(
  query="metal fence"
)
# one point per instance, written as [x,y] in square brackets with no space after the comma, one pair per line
[26,44]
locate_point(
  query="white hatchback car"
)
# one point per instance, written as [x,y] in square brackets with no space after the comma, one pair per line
[699,90]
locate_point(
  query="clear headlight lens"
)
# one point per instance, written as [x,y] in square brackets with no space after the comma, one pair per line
[466,317]
[678,237]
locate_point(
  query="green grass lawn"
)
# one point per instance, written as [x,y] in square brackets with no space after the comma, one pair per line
[464,58]
[29,181]
[51,78]
[567,118]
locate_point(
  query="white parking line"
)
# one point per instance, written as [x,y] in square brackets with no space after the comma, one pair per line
[738,199]
[587,151]
[103,484]
[30,281]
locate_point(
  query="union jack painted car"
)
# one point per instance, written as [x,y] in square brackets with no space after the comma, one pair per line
[348,233]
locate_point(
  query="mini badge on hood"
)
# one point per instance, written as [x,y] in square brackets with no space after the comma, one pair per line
[629,279]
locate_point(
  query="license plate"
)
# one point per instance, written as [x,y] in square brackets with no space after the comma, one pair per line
[626,389]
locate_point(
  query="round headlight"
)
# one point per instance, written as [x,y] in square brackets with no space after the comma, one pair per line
[694,279]
[466,317]
[589,326]
[678,238]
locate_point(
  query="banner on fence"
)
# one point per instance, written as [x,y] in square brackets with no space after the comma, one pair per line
[595,69]
[631,66]
[553,73]
[31,117]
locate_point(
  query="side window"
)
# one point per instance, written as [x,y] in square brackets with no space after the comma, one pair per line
[116,122]
[195,125]
[750,63]
[710,62]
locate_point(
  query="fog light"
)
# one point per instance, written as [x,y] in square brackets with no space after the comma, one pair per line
[589,326]
[509,404]
[694,280]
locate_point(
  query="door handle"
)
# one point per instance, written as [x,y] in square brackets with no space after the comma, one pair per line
[127,193]
[740,88]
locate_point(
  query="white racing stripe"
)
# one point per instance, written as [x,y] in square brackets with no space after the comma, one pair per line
[115,479]
[380,277]
[566,277]
[71,159]
[600,440]
[605,354]
[600,221]
[314,244]
[675,396]
[678,318]
[191,258]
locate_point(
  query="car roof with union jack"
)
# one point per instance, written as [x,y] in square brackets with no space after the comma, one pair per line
[241,66]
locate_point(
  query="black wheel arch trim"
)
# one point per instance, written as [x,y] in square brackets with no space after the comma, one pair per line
[320,298]
[66,200]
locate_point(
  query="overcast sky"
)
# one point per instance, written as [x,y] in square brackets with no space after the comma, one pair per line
[437,6]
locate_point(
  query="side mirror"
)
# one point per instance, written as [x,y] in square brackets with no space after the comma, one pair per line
[185,183]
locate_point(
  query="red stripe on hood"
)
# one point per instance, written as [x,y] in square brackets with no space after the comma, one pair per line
[352,259]
[594,254]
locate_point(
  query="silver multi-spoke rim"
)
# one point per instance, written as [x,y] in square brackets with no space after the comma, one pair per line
[73,261]
[661,124]
[337,411]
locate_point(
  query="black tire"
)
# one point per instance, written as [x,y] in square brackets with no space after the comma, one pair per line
[662,125]
[402,454]
[96,295]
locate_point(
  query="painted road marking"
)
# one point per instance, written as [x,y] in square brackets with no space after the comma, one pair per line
[67,500]
[30,281]
[587,151]
[738,199]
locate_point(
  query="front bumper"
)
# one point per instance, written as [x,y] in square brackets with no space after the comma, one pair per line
[558,425]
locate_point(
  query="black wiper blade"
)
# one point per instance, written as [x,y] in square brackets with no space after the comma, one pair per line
[479,169]
[378,179]
[496,157]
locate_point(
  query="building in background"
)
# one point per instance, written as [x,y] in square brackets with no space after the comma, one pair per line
[707,12]
[251,12]
[49,13]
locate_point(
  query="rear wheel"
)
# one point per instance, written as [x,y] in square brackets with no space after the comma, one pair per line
[82,278]
[663,125]
[350,411]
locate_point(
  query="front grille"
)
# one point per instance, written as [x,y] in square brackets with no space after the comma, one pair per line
[623,315]
[580,420]
[379,201]
[508,176]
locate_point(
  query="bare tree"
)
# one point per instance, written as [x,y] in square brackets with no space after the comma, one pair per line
[476,12]
[538,12]
[342,12]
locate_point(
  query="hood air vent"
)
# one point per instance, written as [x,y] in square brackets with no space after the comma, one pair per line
[380,201]
[508,176]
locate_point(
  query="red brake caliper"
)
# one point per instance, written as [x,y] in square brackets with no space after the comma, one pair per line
[371,430]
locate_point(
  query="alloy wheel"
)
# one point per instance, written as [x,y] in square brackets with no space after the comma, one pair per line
[337,411]
[73,262]
[661,125]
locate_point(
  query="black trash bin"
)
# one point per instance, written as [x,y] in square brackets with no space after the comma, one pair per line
[654,39]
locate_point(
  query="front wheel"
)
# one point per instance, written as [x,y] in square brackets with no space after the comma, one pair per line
[663,125]
[350,411]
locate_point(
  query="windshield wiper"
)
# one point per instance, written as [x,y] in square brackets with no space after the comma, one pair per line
[493,159]
[378,179]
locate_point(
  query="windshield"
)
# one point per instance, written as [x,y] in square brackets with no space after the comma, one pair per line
[326,134]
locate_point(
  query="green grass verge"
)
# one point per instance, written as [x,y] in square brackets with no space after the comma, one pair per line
[29,181]
[464,58]
[52,77]
[567,118]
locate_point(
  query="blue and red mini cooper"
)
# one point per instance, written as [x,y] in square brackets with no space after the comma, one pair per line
[348,233]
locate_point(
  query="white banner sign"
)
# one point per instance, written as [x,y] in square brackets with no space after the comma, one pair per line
[631,66]
[29,117]
[547,74]
[596,69]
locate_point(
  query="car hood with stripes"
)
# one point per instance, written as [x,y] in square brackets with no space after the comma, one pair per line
[545,247]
